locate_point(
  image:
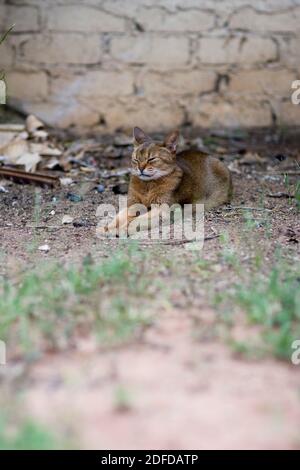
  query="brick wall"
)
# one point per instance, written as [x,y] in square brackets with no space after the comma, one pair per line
[109,64]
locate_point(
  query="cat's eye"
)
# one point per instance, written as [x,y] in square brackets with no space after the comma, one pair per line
[152,159]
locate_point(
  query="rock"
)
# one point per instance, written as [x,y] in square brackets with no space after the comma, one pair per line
[3,190]
[122,140]
[81,223]
[112,152]
[44,248]
[121,188]
[66,181]
[67,219]
[74,197]
[100,188]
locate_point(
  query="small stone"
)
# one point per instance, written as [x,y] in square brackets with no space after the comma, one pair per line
[280,157]
[44,248]
[112,152]
[74,197]
[100,188]
[66,181]
[121,188]
[81,223]
[122,140]
[67,219]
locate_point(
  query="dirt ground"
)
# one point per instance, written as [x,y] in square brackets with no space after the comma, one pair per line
[179,385]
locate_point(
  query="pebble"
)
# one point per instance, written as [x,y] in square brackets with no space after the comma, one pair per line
[121,188]
[67,219]
[100,188]
[81,223]
[74,197]
[45,248]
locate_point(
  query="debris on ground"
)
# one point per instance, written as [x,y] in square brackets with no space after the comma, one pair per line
[27,146]
[74,197]
[25,176]
[44,248]
[67,219]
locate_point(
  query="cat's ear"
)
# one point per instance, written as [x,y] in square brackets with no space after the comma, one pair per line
[171,141]
[139,136]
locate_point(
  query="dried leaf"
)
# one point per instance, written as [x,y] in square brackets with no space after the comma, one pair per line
[6,137]
[234,167]
[45,150]
[41,135]
[52,164]
[33,124]
[66,181]
[251,159]
[29,160]
[14,150]
[16,128]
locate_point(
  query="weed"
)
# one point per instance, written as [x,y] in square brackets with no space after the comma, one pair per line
[2,39]
[122,399]
[273,302]
[49,304]
[28,436]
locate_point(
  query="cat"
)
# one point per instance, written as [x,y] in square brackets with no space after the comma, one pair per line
[161,176]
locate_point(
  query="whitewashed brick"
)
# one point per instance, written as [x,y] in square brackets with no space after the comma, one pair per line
[92,85]
[190,82]
[27,86]
[62,48]
[158,19]
[83,18]
[153,50]
[6,55]
[252,20]
[263,82]
[217,112]
[138,112]
[230,50]
[288,113]
[25,18]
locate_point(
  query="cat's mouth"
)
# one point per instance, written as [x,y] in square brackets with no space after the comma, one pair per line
[146,177]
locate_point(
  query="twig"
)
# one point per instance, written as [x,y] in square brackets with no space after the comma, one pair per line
[176,242]
[6,34]
[43,227]
[233,208]
[21,175]
[289,172]
[278,195]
